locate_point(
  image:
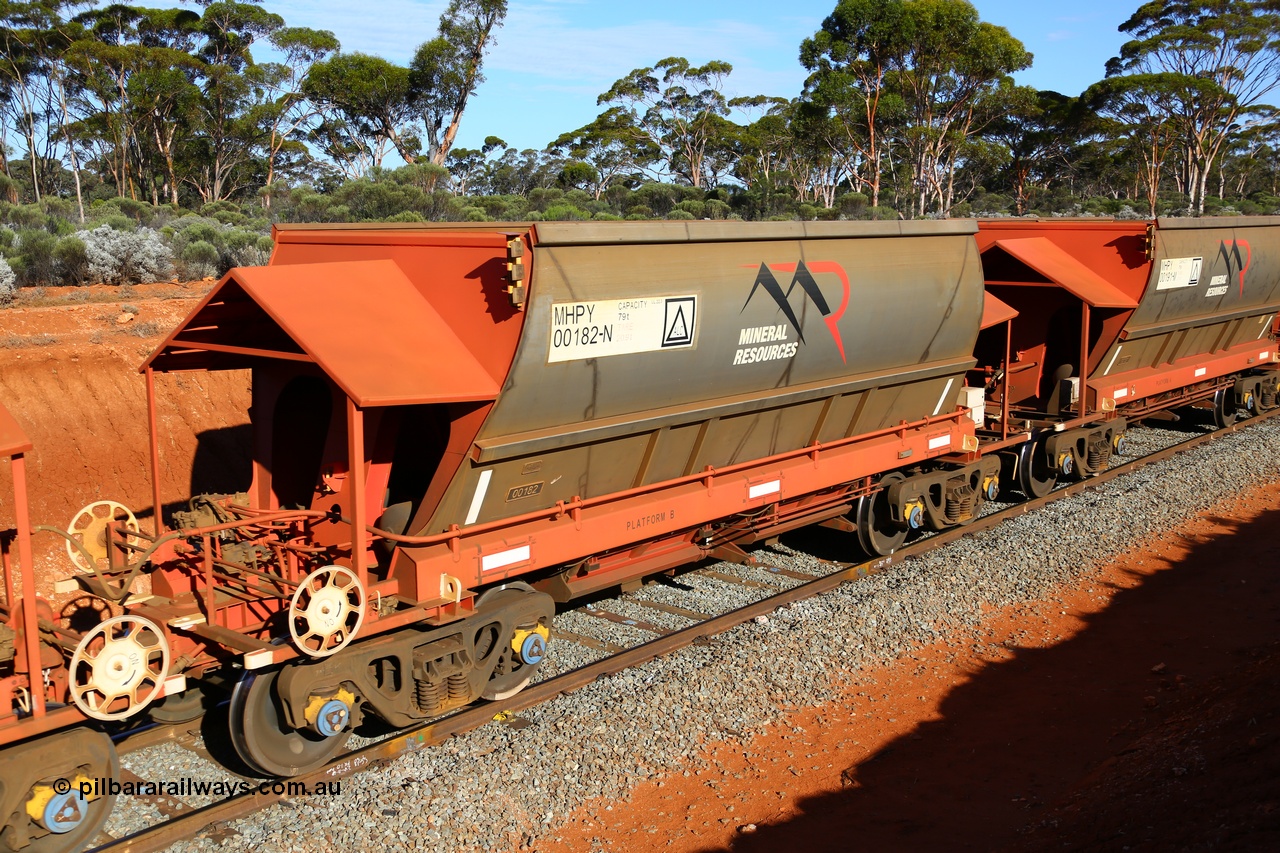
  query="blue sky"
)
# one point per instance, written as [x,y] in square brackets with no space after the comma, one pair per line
[554,57]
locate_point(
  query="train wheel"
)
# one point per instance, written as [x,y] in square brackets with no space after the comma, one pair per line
[878,534]
[263,738]
[520,654]
[65,809]
[1224,408]
[1036,477]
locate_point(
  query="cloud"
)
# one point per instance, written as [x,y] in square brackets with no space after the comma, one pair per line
[1059,35]
[603,53]
[393,31]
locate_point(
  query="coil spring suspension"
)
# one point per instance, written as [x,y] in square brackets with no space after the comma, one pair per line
[459,687]
[1099,454]
[1268,397]
[428,694]
[961,501]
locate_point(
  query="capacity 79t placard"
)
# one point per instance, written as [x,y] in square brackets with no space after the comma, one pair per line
[582,330]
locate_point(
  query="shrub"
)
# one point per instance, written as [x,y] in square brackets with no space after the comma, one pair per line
[696,209]
[6,238]
[244,249]
[200,259]
[8,283]
[716,209]
[26,216]
[117,257]
[195,228]
[137,212]
[677,213]
[72,260]
[117,221]
[564,211]
[34,263]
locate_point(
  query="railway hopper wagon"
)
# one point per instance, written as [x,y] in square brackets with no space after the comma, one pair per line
[1111,321]
[454,427]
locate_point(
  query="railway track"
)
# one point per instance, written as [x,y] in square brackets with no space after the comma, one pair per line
[182,819]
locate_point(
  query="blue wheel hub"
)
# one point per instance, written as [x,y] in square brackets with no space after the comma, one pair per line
[333,717]
[64,812]
[915,518]
[993,490]
[533,649]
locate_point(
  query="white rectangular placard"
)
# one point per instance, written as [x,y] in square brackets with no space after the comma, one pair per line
[761,489]
[621,326]
[502,559]
[1179,272]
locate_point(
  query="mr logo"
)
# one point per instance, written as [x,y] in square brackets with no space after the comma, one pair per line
[802,274]
[1235,261]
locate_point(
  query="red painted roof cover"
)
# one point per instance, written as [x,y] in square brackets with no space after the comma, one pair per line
[362,322]
[12,439]
[1046,258]
[995,311]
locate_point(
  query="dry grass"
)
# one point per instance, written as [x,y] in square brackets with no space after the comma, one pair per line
[20,342]
[146,329]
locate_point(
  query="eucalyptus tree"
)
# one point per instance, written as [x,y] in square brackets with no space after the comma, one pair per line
[132,73]
[1136,107]
[763,143]
[285,113]
[446,70]
[1036,131]
[682,112]
[851,59]
[223,145]
[1203,65]
[616,149]
[366,106]
[949,72]
[32,91]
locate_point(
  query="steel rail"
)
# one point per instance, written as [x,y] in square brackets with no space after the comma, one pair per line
[188,823]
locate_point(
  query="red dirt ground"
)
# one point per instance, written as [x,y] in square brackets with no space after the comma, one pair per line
[1136,710]
[68,374]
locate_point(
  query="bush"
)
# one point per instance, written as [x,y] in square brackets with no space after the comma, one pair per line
[72,260]
[564,211]
[244,249]
[200,259]
[8,283]
[26,216]
[137,212]
[34,263]
[693,207]
[117,221]
[406,216]
[117,257]
[716,209]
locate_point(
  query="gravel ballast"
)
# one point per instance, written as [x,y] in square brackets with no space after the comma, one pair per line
[504,787]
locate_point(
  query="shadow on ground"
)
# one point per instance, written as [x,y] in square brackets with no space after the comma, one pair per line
[1060,747]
